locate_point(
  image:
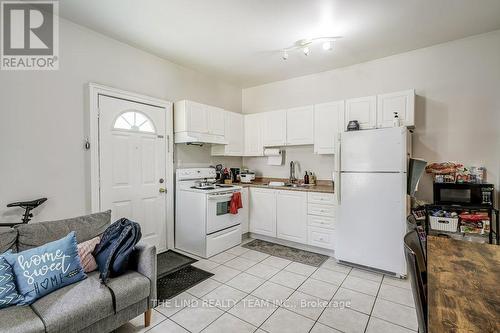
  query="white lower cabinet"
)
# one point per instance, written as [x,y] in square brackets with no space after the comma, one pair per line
[320,237]
[291,216]
[263,211]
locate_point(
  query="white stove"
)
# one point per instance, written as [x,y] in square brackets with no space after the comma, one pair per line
[203,224]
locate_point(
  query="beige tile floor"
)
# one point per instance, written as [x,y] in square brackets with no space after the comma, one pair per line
[255,292]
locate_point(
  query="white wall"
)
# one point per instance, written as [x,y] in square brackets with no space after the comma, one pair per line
[321,165]
[44,119]
[457,107]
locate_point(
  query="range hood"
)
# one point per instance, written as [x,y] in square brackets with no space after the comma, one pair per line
[193,137]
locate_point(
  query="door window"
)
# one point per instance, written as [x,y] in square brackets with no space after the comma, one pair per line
[134,121]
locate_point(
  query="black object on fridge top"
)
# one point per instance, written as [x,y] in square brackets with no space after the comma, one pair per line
[353,125]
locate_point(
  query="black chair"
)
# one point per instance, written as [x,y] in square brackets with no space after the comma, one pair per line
[418,275]
[412,224]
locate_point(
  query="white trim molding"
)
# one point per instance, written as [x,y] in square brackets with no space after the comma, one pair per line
[94,91]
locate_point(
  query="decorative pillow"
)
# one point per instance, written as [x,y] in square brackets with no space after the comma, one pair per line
[85,250]
[8,290]
[46,268]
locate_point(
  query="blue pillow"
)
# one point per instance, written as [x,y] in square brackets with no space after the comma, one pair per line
[8,290]
[44,269]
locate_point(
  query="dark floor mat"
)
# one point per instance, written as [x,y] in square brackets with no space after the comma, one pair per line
[175,283]
[286,252]
[171,261]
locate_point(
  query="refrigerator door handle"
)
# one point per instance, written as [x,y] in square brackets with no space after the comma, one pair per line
[338,168]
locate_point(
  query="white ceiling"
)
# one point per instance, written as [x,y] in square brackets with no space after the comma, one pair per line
[239,40]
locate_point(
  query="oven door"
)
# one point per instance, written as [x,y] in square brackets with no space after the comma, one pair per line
[218,215]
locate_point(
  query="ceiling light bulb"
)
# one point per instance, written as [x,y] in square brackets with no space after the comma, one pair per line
[327,46]
[284,55]
[306,50]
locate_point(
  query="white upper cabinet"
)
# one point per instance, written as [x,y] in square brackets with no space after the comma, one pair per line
[363,109]
[253,134]
[190,116]
[300,126]
[402,102]
[328,122]
[234,136]
[215,120]
[291,216]
[274,128]
[196,122]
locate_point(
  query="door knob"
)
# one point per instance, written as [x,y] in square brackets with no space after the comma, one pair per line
[163,190]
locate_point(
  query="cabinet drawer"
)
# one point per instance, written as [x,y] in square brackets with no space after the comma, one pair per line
[320,221]
[320,198]
[223,240]
[320,237]
[321,210]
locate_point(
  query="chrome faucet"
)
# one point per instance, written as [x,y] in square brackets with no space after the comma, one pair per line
[293,179]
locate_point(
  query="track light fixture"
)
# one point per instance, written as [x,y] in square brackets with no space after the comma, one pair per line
[305,45]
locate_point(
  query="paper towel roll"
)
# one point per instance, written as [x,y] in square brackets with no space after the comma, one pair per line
[272,152]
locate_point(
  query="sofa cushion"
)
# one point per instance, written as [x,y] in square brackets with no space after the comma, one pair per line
[8,290]
[46,268]
[76,306]
[8,237]
[85,227]
[20,319]
[129,288]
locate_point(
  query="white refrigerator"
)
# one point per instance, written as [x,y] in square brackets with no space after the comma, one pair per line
[372,176]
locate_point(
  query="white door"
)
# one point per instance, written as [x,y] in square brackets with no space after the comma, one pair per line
[263,211]
[132,163]
[402,102]
[328,122]
[371,222]
[253,135]
[300,125]
[197,117]
[363,109]
[275,128]
[215,120]
[234,134]
[378,150]
[291,216]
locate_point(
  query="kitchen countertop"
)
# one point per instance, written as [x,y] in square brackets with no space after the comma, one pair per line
[322,186]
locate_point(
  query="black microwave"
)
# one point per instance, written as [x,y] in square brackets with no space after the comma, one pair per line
[464,194]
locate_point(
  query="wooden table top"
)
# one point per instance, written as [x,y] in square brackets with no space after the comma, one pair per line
[463,286]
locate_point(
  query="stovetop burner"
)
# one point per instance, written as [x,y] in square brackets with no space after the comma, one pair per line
[204,188]
[211,186]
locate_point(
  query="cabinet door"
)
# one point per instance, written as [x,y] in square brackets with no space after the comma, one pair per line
[291,216]
[215,120]
[327,124]
[263,212]
[253,135]
[234,134]
[300,126]
[402,102]
[197,117]
[363,109]
[245,210]
[274,128]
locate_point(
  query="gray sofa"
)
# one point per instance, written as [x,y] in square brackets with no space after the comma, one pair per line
[86,306]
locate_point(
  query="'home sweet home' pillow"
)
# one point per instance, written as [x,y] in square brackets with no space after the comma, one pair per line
[44,269]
